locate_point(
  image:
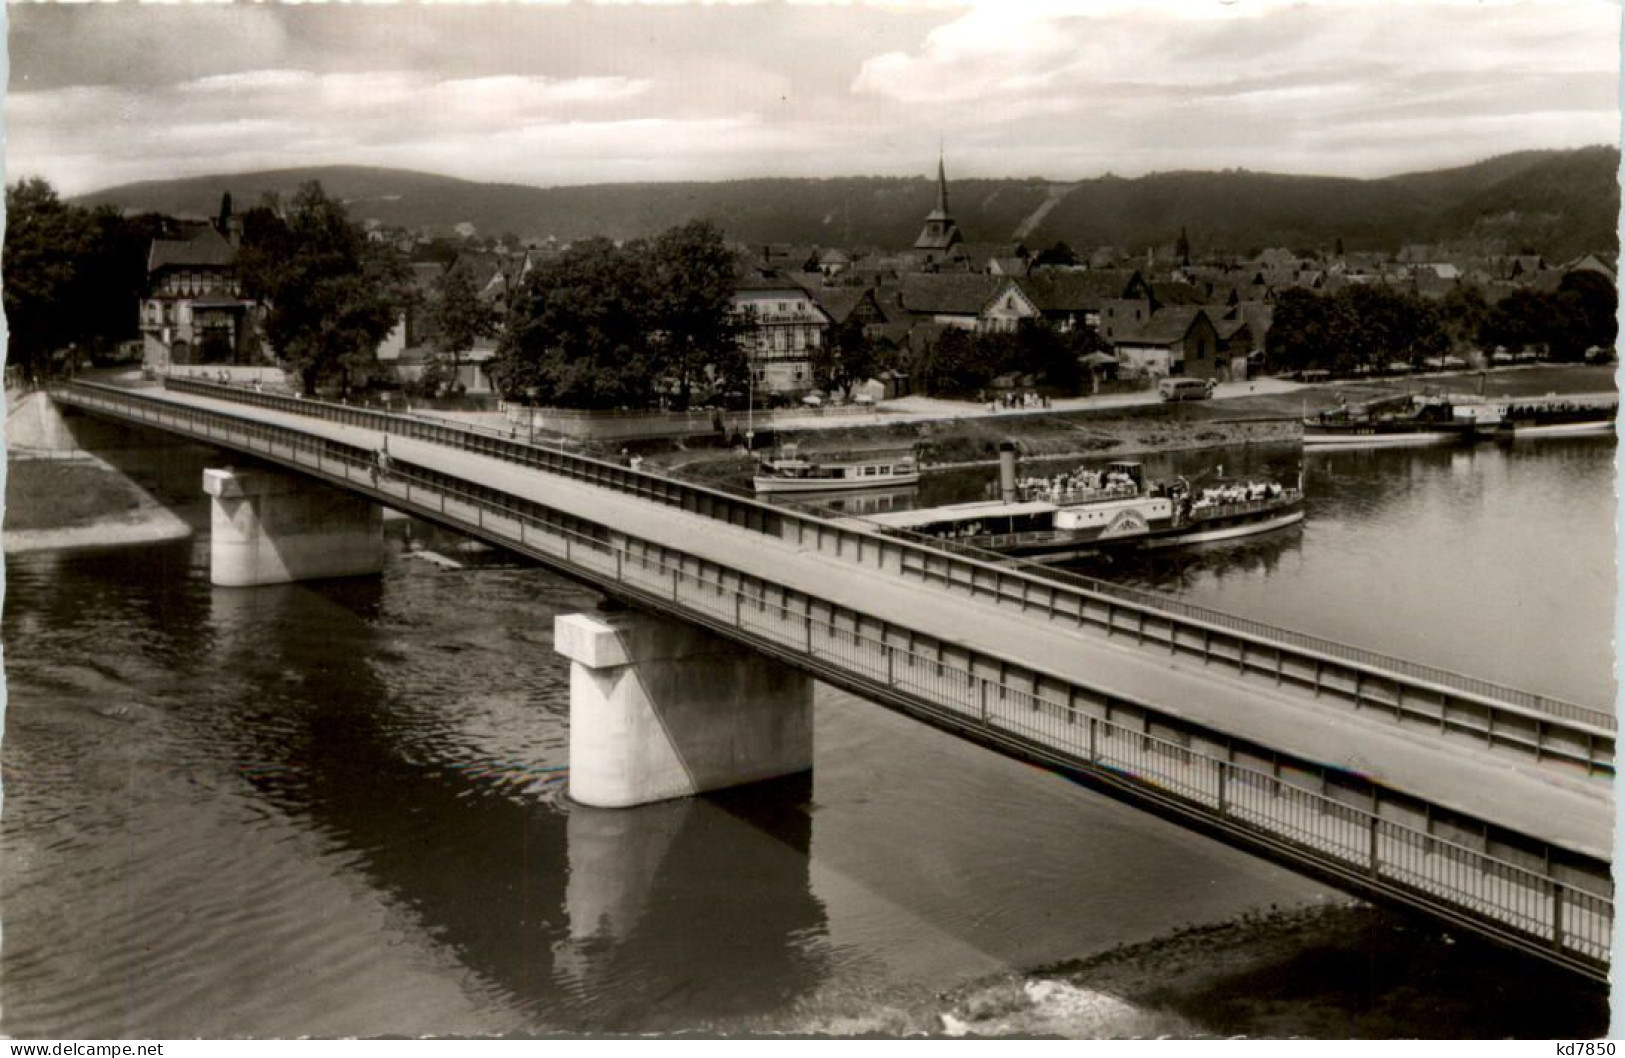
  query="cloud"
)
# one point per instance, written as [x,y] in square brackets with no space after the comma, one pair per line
[287,116]
[1151,81]
[585,93]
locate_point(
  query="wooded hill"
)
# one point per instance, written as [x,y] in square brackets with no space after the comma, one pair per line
[1557,203]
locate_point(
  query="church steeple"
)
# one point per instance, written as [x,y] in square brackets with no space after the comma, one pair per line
[941,212]
[940,231]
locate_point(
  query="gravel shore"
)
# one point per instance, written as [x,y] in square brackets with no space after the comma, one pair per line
[1339,970]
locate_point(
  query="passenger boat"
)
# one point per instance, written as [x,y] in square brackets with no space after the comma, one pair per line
[1116,508]
[789,471]
[1404,420]
[1550,416]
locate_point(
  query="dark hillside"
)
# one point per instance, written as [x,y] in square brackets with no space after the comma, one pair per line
[1240,212]
[1558,203]
[1562,206]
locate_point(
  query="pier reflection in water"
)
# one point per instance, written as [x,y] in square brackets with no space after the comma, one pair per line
[339,809]
[568,913]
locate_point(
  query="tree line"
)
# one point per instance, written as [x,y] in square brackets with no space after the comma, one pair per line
[600,325]
[650,322]
[73,277]
[1369,327]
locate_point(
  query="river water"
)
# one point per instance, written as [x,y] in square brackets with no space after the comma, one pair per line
[339,808]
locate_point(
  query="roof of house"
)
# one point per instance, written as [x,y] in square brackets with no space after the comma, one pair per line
[1258,315]
[980,253]
[207,248]
[1165,327]
[1178,294]
[839,302]
[492,273]
[949,294]
[797,256]
[1589,263]
[1074,291]
[758,282]
[933,238]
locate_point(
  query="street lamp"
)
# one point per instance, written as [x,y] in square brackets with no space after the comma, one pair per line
[750,408]
[530,414]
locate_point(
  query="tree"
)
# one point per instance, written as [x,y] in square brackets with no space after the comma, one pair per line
[1516,321]
[1464,310]
[1590,301]
[332,294]
[47,246]
[458,316]
[1304,332]
[956,364]
[845,359]
[1059,254]
[576,334]
[690,285]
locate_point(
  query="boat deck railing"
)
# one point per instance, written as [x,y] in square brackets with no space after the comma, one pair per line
[1076,497]
[1287,498]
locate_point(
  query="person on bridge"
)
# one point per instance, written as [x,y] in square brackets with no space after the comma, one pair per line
[381,466]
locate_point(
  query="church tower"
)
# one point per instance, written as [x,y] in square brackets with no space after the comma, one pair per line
[940,232]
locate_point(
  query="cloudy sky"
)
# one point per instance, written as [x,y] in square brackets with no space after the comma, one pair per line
[569,94]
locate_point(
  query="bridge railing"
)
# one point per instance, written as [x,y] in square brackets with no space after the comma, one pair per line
[1571,918]
[1011,582]
[1567,918]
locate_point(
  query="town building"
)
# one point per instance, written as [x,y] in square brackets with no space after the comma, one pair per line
[784,328]
[1176,341]
[193,311]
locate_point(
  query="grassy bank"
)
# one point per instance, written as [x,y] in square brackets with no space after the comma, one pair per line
[55,504]
[61,494]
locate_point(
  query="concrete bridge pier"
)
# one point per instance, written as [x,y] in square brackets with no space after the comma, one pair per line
[273,528]
[661,709]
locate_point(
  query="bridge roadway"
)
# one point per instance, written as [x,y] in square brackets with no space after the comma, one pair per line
[1557,805]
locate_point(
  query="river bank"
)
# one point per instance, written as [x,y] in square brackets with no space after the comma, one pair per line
[943,445]
[971,437]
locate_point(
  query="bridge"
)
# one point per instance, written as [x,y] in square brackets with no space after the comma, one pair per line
[1482,806]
